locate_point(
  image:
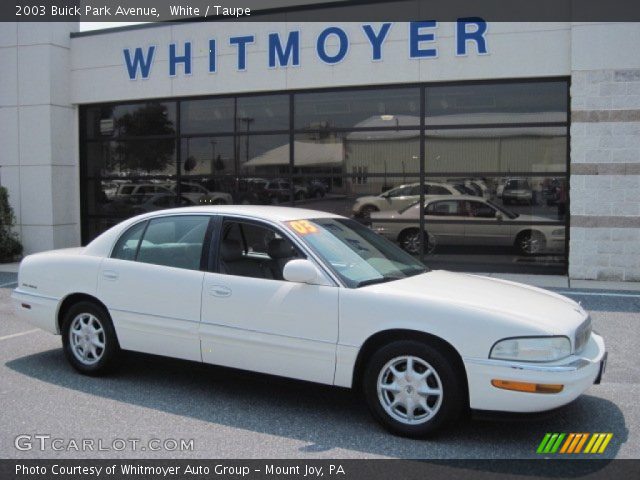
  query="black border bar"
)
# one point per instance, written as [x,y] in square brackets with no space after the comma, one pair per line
[158,11]
[594,469]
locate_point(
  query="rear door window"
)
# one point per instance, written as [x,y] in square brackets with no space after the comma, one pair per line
[174,241]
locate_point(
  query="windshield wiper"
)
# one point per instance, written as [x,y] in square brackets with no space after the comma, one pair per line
[373,281]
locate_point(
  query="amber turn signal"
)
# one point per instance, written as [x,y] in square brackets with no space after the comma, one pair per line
[527,387]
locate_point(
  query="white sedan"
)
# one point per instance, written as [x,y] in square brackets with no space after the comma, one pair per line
[312,296]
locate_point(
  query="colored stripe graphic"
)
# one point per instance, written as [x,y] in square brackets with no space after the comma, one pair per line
[581,443]
[550,443]
[567,443]
[573,443]
[605,443]
[543,443]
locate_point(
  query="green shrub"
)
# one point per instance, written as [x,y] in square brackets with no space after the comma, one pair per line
[10,246]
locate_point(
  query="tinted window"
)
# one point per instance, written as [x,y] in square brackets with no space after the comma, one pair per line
[131,120]
[437,190]
[397,107]
[497,103]
[174,241]
[265,112]
[480,210]
[447,208]
[214,115]
[127,245]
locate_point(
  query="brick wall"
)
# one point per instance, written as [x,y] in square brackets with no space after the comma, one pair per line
[605,175]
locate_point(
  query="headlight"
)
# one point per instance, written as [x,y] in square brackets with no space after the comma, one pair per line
[532,349]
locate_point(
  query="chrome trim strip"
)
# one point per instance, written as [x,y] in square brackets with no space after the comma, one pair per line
[534,367]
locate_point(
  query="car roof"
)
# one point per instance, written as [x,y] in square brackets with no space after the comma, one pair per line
[435,198]
[265,212]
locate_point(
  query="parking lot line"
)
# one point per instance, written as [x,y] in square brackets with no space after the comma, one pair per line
[19,334]
[599,294]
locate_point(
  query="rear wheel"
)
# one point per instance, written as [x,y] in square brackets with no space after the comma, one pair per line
[89,339]
[531,243]
[412,389]
[410,241]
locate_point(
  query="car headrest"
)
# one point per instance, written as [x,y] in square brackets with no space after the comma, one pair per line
[280,248]
[230,250]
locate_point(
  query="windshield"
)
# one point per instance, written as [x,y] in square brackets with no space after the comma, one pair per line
[356,254]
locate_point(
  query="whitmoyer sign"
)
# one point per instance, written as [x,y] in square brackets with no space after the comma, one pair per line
[331,47]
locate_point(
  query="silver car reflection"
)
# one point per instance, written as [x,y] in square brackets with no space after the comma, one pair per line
[468,220]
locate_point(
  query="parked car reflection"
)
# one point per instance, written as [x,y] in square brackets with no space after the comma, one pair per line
[517,190]
[400,197]
[469,220]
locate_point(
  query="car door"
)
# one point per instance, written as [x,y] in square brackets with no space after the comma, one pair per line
[402,197]
[253,319]
[152,285]
[442,220]
[483,225]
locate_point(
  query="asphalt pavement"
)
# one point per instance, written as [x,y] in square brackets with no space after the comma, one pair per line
[233,414]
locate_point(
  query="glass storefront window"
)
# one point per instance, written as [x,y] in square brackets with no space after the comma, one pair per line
[207,156]
[514,103]
[385,108]
[131,158]
[213,116]
[512,149]
[263,155]
[495,164]
[130,120]
[264,112]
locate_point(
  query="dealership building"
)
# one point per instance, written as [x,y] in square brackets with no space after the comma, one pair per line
[523,138]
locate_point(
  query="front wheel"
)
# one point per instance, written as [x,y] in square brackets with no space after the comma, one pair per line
[412,388]
[89,339]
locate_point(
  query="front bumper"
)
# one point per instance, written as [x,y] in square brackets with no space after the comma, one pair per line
[577,373]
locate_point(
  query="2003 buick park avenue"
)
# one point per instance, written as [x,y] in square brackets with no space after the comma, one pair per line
[312,296]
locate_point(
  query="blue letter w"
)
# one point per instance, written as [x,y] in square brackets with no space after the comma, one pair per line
[139,61]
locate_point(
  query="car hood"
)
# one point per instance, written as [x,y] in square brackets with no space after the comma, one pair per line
[522,303]
[367,198]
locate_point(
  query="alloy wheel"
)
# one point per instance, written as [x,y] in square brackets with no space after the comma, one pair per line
[87,338]
[409,390]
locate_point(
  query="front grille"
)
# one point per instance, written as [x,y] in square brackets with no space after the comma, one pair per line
[582,335]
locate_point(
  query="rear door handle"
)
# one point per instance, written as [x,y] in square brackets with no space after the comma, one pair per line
[219,291]
[110,275]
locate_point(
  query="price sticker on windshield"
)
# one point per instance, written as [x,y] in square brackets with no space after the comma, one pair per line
[303,227]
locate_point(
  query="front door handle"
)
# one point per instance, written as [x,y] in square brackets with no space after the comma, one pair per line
[110,275]
[219,291]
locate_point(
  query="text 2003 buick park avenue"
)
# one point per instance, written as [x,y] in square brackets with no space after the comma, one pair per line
[312,296]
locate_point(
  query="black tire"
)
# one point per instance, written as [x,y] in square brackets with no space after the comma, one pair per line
[409,241]
[447,409]
[110,354]
[530,243]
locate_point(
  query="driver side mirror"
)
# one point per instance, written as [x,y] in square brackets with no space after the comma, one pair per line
[499,216]
[300,271]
